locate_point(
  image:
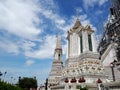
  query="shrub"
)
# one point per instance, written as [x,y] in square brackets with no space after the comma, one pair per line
[80,88]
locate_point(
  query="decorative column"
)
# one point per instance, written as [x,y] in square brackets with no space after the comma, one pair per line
[93,43]
[99,82]
[73,81]
[66,84]
[82,82]
[85,41]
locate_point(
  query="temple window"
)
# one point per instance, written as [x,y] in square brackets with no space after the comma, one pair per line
[90,42]
[59,56]
[81,47]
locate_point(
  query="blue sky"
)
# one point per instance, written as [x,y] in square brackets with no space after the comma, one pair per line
[28,30]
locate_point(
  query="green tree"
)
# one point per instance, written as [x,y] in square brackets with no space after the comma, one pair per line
[27,83]
[6,86]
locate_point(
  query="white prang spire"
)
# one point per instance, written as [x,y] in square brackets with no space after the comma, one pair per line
[59,42]
[56,71]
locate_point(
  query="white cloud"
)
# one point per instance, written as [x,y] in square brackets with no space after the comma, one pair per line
[46,49]
[91,3]
[49,14]
[98,12]
[78,10]
[27,45]
[20,18]
[101,2]
[98,38]
[9,46]
[29,62]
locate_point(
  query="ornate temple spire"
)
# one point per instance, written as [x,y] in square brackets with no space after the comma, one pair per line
[77,23]
[59,42]
[55,74]
[58,49]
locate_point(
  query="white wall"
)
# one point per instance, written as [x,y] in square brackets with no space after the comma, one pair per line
[109,55]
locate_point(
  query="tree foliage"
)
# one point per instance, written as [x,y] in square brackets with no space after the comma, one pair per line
[27,83]
[82,88]
[6,86]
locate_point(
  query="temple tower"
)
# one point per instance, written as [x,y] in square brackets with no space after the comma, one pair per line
[80,40]
[109,46]
[82,56]
[57,65]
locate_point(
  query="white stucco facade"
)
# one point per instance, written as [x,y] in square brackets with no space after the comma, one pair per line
[109,55]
